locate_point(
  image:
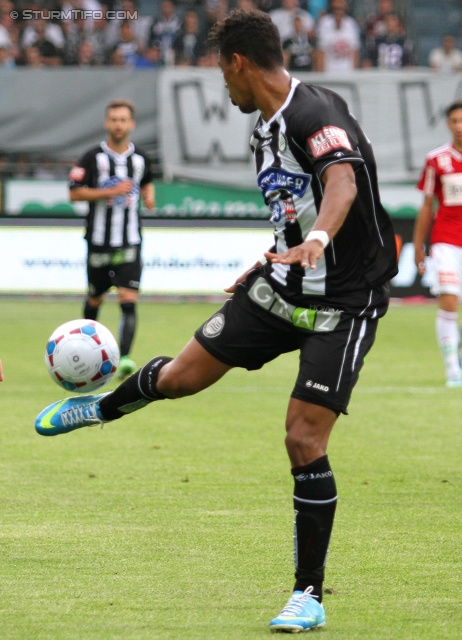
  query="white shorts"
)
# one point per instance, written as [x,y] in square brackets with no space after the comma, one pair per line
[447,269]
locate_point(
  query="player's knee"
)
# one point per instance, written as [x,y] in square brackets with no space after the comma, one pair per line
[303,440]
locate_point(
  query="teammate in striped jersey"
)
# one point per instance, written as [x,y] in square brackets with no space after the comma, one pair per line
[320,289]
[441,181]
[111,177]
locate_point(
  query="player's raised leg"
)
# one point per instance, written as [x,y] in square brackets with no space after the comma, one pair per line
[162,377]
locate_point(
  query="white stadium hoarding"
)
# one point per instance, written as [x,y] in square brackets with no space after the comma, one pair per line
[180,261]
[176,261]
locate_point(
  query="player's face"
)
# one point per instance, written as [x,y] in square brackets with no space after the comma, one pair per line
[455,126]
[119,124]
[237,83]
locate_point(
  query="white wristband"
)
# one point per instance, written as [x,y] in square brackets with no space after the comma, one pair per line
[263,261]
[319,235]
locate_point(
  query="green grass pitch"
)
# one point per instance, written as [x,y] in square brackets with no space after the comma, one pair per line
[176,522]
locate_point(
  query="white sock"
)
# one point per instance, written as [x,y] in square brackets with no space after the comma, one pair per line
[447,335]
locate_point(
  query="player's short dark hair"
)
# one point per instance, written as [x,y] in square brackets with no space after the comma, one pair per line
[452,107]
[116,104]
[251,34]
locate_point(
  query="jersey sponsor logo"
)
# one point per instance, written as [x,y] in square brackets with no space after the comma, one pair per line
[278,179]
[122,200]
[282,210]
[452,189]
[444,162]
[323,320]
[327,139]
[214,326]
[77,174]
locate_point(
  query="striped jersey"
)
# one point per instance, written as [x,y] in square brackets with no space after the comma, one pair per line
[441,178]
[312,130]
[113,223]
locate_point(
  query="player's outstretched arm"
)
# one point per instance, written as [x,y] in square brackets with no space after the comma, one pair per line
[339,193]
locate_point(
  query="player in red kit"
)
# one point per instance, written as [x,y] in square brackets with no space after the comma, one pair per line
[441,180]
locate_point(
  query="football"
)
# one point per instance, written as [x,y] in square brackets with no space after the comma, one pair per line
[81,355]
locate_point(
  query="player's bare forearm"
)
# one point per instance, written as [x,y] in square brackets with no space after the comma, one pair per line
[421,229]
[148,195]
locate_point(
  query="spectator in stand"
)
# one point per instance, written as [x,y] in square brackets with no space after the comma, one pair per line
[6,58]
[188,45]
[297,50]
[446,58]
[42,29]
[85,55]
[283,18]
[338,40]
[75,33]
[376,23]
[116,59]
[48,38]
[140,24]
[151,58]
[98,37]
[215,10]
[32,58]
[393,49]
[164,30]
[247,5]
[90,6]
[128,46]
[6,46]
[12,27]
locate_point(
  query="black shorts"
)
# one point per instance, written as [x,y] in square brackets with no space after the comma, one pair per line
[119,269]
[332,345]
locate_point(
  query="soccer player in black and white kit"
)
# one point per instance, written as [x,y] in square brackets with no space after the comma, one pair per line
[111,177]
[320,289]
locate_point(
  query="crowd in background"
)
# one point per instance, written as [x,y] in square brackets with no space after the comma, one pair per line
[330,36]
[317,35]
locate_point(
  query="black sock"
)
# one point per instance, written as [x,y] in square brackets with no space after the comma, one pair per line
[315,499]
[135,392]
[89,312]
[127,327]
